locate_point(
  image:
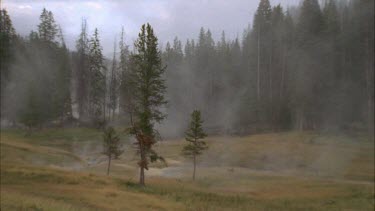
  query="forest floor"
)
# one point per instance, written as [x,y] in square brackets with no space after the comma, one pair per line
[63,169]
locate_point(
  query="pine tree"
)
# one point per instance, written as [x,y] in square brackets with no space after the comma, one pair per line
[47,28]
[125,100]
[62,97]
[83,71]
[113,85]
[310,22]
[193,135]
[111,146]
[148,94]
[7,47]
[97,82]
[32,113]
[261,35]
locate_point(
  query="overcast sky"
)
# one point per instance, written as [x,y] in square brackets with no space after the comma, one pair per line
[182,18]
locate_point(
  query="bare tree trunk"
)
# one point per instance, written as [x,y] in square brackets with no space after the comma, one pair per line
[257,116]
[109,164]
[282,82]
[258,68]
[271,91]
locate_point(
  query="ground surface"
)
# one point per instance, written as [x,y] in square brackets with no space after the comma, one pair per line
[57,169]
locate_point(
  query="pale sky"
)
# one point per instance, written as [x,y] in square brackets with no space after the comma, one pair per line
[170,18]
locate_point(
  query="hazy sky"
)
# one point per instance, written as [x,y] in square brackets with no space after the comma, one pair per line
[182,18]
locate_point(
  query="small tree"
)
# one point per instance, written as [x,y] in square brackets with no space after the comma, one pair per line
[111,145]
[193,135]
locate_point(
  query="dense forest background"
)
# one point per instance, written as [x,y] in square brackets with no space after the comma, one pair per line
[309,67]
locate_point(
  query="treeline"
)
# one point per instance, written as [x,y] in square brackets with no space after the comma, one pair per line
[43,82]
[309,67]
[306,67]
[35,73]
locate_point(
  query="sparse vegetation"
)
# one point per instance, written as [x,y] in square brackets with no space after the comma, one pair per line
[253,184]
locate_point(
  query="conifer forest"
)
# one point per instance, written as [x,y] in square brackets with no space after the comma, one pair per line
[150,105]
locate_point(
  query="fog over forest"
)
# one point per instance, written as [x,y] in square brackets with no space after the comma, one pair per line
[306,65]
[220,104]
[169,18]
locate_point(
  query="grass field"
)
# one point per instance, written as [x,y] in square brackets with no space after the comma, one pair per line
[57,169]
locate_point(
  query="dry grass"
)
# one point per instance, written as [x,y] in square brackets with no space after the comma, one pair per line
[284,171]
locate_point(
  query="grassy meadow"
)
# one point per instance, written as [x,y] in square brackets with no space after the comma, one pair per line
[63,169]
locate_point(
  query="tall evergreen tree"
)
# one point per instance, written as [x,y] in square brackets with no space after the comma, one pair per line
[63,103]
[47,28]
[82,71]
[7,40]
[260,37]
[113,85]
[125,99]
[97,81]
[149,88]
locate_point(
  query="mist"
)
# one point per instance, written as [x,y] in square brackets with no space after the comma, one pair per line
[221,105]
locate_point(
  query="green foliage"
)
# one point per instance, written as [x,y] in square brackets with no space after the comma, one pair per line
[97,79]
[147,79]
[148,88]
[113,84]
[82,71]
[125,88]
[310,22]
[32,115]
[7,48]
[112,146]
[193,135]
[7,35]
[47,27]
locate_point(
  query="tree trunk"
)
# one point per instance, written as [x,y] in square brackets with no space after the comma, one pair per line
[258,68]
[282,81]
[194,161]
[109,164]
[142,176]
[257,115]
[270,72]
[142,165]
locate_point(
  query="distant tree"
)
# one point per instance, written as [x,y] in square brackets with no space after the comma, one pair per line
[7,38]
[82,71]
[47,28]
[113,85]
[148,95]
[261,34]
[32,113]
[258,61]
[193,135]
[97,82]
[123,69]
[111,146]
[63,103]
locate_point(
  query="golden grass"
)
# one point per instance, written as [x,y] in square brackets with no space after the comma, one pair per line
[260,172]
